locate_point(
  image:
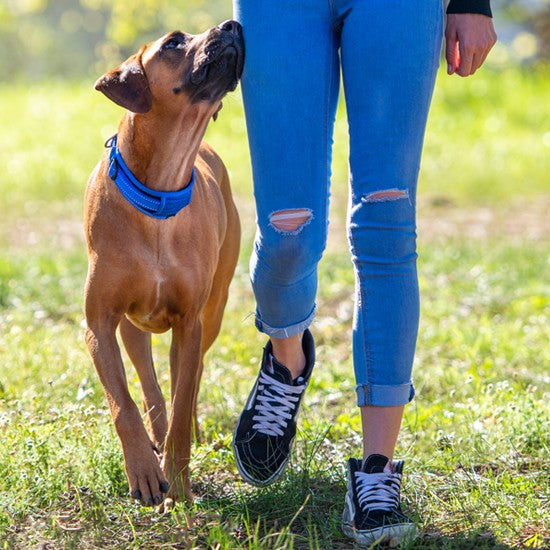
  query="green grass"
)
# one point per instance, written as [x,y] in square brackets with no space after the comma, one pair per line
[476,439]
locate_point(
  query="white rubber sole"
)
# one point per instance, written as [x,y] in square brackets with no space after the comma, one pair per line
[392,534]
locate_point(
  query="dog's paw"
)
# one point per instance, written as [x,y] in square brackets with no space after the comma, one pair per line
[147,482]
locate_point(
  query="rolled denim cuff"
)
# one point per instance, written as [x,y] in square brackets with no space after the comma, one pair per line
[284,332]
[384,396]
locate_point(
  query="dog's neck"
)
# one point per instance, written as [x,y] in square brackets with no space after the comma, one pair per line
[159,149]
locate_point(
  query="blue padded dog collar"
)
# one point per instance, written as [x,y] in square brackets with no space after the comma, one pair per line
[157,204]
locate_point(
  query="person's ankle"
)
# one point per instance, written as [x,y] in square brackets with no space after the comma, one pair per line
[296,366]
[289,352]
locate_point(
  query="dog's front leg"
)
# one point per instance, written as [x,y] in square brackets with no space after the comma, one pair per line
[145,477]
[184,366]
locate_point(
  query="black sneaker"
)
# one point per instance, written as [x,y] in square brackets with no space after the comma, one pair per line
[372,510]
[265,432]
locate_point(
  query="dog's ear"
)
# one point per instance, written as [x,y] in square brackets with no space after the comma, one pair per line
[127,86]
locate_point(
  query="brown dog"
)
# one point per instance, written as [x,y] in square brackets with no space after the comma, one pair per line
[150,275]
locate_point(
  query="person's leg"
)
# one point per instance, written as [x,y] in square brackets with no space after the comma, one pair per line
[290,88]
[390,54]
[380,429]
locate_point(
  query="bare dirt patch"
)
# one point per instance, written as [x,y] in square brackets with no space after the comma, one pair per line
[522,220]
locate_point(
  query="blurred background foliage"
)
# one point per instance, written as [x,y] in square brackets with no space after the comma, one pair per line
[75,38]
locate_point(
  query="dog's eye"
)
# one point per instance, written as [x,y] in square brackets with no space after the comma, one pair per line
[176,42]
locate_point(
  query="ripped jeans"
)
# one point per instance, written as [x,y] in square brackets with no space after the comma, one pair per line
[388,53]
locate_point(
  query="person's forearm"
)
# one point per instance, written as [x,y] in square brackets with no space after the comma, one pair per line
[470,6]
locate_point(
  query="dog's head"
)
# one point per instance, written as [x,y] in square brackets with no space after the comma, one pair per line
[178,69]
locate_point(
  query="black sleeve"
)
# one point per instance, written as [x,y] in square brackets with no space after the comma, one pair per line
[470,6]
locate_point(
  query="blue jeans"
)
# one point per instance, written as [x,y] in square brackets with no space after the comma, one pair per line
[388,52]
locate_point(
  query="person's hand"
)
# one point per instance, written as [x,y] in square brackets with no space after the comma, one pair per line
[469,38]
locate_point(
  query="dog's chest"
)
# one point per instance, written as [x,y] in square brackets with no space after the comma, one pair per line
[168,293]
[157,293]
[153,309]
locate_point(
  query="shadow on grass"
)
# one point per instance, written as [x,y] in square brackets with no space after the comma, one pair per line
[304,511]
[481,539]
[301,511]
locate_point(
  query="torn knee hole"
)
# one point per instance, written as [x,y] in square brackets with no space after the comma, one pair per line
[292,221]
[386,195]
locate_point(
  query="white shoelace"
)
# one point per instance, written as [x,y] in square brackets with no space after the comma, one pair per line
[374,493]
[276,401]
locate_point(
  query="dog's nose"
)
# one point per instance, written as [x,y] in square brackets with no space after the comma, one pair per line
[234,27]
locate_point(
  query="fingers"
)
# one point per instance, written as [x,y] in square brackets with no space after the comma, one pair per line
[452,54]
[471,59]
[484,56]
[469,39]
[467,54]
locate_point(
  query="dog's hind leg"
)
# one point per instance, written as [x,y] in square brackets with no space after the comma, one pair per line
[185,357]
[213,311]
[211,322]
[138,347]
[196,426]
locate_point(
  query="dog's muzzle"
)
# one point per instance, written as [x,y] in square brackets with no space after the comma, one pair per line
[218,65]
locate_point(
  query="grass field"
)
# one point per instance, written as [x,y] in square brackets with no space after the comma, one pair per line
[476,439]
